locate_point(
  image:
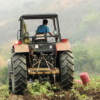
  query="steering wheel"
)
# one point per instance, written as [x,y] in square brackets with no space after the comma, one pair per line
[33,38]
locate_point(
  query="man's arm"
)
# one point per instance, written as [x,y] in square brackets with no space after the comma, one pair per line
[50,33]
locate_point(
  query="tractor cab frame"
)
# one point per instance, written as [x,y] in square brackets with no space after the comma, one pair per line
[53,17]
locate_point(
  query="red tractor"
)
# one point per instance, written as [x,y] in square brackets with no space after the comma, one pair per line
[40,58]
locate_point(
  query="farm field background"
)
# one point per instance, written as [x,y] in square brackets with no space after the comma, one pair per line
[79,22]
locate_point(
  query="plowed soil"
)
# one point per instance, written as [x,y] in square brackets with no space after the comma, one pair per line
[91,94]
[79,92]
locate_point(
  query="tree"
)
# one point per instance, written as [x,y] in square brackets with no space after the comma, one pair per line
[87,55]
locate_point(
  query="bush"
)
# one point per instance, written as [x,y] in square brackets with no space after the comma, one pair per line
[87,55]
[4,75]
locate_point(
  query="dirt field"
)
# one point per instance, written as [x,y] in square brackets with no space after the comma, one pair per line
[79,92]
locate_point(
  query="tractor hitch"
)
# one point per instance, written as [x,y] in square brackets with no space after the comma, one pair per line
[33,71]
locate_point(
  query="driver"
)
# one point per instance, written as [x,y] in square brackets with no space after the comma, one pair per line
[44,28]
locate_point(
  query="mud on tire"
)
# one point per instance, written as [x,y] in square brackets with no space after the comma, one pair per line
[66,69]
[19,77]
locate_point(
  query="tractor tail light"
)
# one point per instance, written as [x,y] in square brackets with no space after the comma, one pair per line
[64,40]
[18,42]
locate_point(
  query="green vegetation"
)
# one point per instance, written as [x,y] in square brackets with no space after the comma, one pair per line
[37,89]
[87,55]
[4,75]
[4,92]
[5,54]
[46,91]
[88,27]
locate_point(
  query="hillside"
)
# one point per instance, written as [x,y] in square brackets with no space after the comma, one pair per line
[73,15]
[5,53]
[79,21]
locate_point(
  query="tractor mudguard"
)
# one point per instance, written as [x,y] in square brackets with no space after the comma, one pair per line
[9,65]
[9,68]
[63,46]
[22,48]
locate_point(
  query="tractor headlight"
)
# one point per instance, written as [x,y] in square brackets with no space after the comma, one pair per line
[50,46]
[36,46]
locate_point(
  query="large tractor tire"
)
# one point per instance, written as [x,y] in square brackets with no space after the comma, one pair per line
[9,75]
[66,70]
[19,76]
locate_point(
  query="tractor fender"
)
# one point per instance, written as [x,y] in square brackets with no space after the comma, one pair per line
[9,68]
[9,65]
[63,46]
[22,48]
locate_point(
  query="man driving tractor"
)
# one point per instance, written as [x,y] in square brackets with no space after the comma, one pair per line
[41,30]
[44,28]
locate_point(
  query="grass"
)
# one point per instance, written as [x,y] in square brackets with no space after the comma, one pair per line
[4,92]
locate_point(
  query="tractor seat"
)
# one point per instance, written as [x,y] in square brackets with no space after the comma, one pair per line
[40,37]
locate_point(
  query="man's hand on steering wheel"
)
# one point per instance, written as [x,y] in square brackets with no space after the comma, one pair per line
[56,36]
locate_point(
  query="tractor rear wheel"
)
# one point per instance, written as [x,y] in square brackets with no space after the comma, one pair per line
[19,76]
[66,70]
[10,85]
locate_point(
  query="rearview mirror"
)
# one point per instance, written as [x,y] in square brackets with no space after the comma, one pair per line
[55,32]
